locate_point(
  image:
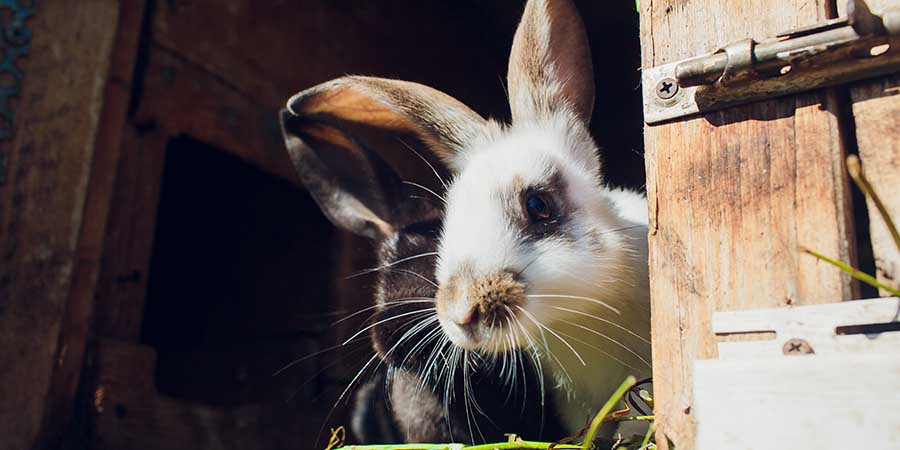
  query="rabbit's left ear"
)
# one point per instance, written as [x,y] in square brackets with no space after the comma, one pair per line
[360,145]
[550,65]
[394,108]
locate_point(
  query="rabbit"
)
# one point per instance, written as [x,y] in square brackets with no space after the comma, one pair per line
[410,401]
[533,260]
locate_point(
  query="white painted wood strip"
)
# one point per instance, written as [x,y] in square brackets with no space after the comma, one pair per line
[806,402]
[815,324]
[820,345]
[856,312]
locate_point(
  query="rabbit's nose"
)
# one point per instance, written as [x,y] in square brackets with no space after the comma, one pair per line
[468,319]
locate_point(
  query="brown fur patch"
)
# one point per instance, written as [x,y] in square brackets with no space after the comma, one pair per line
[495,290]
[487,293]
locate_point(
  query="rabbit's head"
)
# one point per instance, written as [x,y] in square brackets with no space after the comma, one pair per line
[532,243]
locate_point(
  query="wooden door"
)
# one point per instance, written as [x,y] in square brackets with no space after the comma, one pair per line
[56,175]
[735,194]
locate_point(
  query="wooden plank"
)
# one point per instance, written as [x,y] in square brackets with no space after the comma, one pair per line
[130,414]
[299,47]
[180,97]
[817,325]
[809,402]
[122,286]
[876,111]
[732,195]
[47,242]
[76,326]
[245,373]
[832,381]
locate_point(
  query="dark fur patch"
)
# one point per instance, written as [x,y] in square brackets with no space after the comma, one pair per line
[417,412]
[555,189]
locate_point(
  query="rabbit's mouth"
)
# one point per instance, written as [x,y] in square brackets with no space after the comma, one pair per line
[479,313]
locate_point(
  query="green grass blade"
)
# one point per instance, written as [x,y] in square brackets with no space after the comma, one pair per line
[648,435]
[854,167]
[521,445]
[859,275]
[610,404]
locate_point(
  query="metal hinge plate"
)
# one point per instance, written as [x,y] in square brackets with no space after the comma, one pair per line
[861,45]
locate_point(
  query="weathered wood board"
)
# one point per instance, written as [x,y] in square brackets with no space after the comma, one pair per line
[129,413]
[129,236]
[53,207]
[825,329]
[77,324]
[732,197]
[876,111]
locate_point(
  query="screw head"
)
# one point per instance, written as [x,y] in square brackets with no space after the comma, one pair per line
[666,88]
[797,347]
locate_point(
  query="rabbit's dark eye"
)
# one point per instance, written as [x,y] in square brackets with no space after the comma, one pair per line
[538,207]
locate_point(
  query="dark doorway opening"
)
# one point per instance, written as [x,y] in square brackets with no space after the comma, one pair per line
[240,278]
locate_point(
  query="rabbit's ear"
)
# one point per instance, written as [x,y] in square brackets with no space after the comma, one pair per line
[364,146]
[550,65]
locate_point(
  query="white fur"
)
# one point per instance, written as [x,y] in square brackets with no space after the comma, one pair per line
[606,261]
[630,205]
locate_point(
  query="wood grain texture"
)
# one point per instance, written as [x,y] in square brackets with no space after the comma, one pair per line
[130,414]
[306,43]
[791,398]
[733,195]
[180,97]
[817,325]
[78,319]
[808,402]
[226,84]
[876,110]
[122,286]
[48,244]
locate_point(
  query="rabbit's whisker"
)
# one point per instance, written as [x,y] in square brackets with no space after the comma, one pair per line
[471,395]
[577,297]
[433,170]
[599,350]
[312,355]
[609,322]
[391,304]
[420,325]
[427,189]
[430,336]
[360,372]
[415,274]
[432,360]
[324,369]
[391,264]
[534,352]
[552,355]
[623,346]
[398,316]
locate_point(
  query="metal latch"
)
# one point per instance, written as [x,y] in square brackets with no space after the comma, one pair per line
[861,45]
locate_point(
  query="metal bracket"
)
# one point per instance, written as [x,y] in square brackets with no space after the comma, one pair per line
[861,45]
